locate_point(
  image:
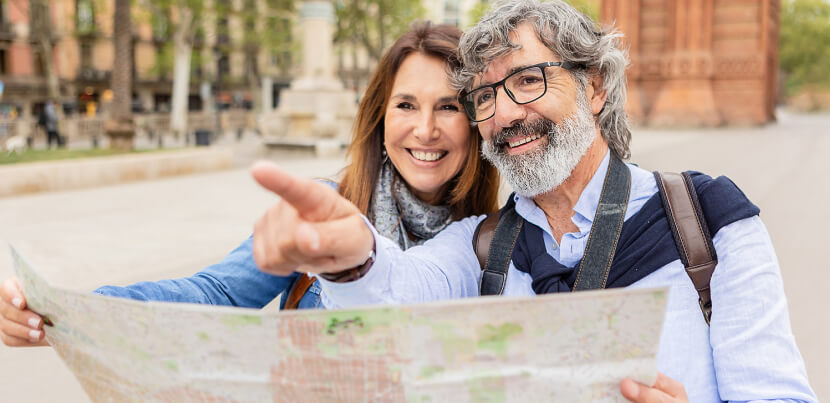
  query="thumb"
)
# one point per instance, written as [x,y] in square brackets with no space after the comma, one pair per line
[313,201]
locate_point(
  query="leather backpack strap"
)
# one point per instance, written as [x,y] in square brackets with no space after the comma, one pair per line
[500,250]
[690,232]
[483,237]
[292,301]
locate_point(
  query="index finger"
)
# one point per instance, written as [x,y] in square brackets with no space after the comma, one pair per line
[312,200]
[10,292]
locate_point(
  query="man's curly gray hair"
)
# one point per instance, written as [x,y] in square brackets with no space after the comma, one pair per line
[571,35]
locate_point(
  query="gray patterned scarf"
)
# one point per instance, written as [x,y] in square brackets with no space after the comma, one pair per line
[396,212]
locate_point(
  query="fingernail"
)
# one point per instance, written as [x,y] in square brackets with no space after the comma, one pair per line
[34,323]
[34,335]
[635,388]
[17,302]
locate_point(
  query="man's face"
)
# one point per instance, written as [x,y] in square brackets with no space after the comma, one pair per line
[536,146]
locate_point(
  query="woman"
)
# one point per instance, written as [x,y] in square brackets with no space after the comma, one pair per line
[414,168]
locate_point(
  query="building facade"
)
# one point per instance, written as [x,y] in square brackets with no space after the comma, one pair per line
[227,65]
[699,62]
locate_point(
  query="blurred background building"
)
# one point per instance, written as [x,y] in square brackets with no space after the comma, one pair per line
[695,62]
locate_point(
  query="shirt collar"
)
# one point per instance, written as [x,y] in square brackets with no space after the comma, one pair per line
[585,208]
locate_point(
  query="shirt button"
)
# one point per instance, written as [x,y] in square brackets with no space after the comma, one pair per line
[554,246]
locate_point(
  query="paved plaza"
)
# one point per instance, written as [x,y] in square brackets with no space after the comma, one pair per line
[174,227]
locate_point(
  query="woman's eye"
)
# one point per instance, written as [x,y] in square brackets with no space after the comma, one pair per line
[450,107]
[405,105]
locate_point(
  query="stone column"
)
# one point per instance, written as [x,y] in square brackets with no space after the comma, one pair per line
[317,26]
[267,94]
[625,15]
[686,97]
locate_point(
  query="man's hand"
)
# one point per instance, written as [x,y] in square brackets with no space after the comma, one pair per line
[19,327]
[665,390]
[312,228]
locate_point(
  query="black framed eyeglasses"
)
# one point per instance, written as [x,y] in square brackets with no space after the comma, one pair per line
[522,86]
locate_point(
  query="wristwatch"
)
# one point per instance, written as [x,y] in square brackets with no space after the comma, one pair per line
[354,273]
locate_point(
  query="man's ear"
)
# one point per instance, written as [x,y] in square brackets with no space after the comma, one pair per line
[595,94]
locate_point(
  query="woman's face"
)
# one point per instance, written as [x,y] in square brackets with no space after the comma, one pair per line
[427,132]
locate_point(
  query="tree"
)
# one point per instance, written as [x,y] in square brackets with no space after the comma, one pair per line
[120,127]
[185,27]
[374,24]
[40,15]
[805,44]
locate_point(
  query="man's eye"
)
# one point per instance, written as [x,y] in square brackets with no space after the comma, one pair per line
[483,98]
[530,80]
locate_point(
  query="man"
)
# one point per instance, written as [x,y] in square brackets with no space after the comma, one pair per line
[548,92]
[49,121]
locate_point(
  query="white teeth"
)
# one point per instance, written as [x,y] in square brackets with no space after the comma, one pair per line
[427,156]
[524,140]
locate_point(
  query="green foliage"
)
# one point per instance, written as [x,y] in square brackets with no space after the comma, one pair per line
[589,7]
[374,24]
[805,43]
[61,154]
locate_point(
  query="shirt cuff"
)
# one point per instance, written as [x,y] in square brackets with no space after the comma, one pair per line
[368,289]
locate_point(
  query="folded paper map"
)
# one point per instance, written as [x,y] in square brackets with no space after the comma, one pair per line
[565,348]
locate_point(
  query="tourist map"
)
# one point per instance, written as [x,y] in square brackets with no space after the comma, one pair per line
[565,348]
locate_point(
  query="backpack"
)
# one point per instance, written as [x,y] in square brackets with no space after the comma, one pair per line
[495,238]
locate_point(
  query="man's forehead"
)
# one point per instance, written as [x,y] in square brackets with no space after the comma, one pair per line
[528,50]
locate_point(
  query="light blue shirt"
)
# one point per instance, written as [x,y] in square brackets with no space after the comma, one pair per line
[747,354]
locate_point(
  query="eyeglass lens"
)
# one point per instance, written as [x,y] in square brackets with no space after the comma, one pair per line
[522,87]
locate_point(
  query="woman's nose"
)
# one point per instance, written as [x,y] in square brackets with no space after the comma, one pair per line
[425,130]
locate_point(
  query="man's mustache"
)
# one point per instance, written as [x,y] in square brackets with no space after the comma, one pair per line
[542,127]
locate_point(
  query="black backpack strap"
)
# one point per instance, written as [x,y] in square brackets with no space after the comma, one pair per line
[493,241]
[595,266]
[690,232]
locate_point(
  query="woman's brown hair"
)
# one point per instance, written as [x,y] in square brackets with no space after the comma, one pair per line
[474,190]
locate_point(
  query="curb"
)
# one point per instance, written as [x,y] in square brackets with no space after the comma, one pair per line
[50,176]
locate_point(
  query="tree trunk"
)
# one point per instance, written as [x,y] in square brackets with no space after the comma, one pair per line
[42,24]
[120,127]
[183,49]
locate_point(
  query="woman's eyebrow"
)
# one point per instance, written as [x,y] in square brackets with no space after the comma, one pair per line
[405,97]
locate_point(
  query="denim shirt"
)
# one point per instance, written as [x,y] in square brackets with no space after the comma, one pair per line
[235,281]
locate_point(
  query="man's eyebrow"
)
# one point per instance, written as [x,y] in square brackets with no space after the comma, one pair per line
[509,72]
[517,68]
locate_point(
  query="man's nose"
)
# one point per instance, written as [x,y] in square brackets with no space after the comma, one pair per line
[507,113]
[425,130]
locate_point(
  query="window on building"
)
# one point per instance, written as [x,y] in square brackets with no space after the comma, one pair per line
[451,15]
[3,19]
[2,61]
[278,40]
[39,64]
[86,54]
[223,65]
[161,27]
[222,31]
[85,16]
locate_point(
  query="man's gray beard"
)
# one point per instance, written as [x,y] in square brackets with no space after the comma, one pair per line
[545,168]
